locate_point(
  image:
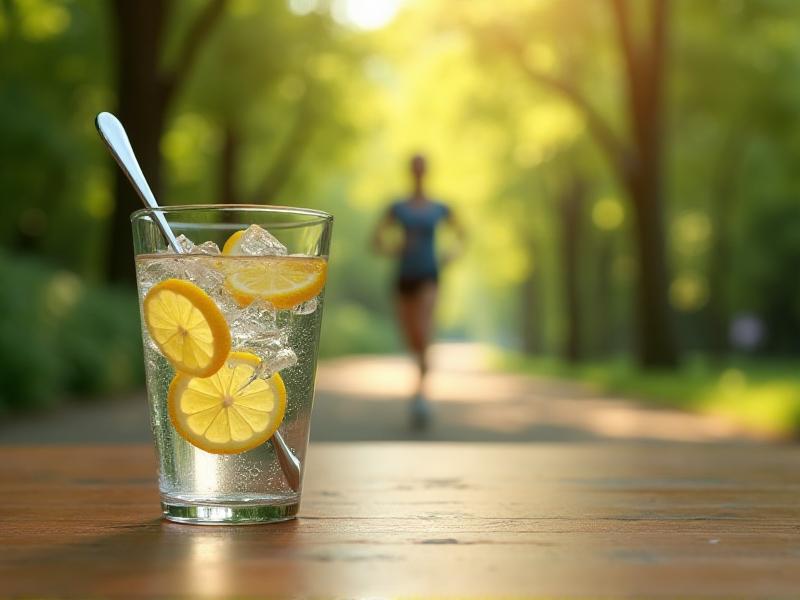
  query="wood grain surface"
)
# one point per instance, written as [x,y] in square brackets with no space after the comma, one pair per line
[381,520]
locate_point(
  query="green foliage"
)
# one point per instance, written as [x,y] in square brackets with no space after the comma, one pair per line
[278,85]
[350,329]
[29,369]
[55,78]
[761,394]
[100,342]
[60,337]
[772,294]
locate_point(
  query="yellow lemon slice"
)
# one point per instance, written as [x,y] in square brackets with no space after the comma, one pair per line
[187,327]
[284,281]
[232,243]
[223,414]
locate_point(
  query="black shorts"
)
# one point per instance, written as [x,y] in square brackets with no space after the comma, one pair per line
[408,286]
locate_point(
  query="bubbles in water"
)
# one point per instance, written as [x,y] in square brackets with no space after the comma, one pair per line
[306,308]
[150,361]
[257,241]
[150,346]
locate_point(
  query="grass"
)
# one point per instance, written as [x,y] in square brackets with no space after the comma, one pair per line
[761,394]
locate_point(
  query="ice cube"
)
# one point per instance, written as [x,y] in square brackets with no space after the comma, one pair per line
[151,271]
[196,270]
[257,241]
[254,325]
[306,308]
[195,264]
[187,245]
[268,347]
[204,275]
[279,361]
[206,248]
[226,303]
[271,364]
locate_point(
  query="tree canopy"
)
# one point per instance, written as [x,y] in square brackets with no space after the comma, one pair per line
[625,169]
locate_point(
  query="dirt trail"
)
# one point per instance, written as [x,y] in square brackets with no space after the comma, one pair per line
[366,398]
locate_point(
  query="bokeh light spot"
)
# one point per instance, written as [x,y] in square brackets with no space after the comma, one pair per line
[42,19]
[303,7]
[688,292]
[691,233]
[97,199]
[63,292]
[608,214]
[365,14]
[185,146]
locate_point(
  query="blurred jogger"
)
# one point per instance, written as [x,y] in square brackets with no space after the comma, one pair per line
[416,283]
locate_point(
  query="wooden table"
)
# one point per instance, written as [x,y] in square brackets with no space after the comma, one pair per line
[418,520]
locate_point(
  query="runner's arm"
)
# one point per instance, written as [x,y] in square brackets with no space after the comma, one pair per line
[455,225]
[379,244]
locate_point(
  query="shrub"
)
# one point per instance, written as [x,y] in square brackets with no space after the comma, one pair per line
[100,342]
[60,336]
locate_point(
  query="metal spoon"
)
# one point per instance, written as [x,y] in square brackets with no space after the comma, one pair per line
[113,134]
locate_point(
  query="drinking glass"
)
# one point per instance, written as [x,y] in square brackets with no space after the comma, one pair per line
[268,286]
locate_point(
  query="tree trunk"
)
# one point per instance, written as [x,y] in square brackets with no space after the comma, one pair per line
[571,210]
[717,301]
[144,92]
[656,343]
[605,338]
[646,76]
[141,108]
[531,307]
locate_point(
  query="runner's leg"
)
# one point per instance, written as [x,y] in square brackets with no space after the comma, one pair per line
[424,314]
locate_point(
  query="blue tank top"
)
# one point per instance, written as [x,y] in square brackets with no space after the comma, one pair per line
[418,258]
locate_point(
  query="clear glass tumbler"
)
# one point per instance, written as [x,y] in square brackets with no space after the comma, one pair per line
[230,346]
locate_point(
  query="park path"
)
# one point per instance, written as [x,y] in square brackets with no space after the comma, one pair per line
[362,398]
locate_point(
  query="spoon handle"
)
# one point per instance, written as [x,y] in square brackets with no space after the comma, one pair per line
[289,463]
[113,134]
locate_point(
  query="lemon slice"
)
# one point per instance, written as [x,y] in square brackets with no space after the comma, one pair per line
[284,281]
[218,416]
[187,327]
[231,246]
